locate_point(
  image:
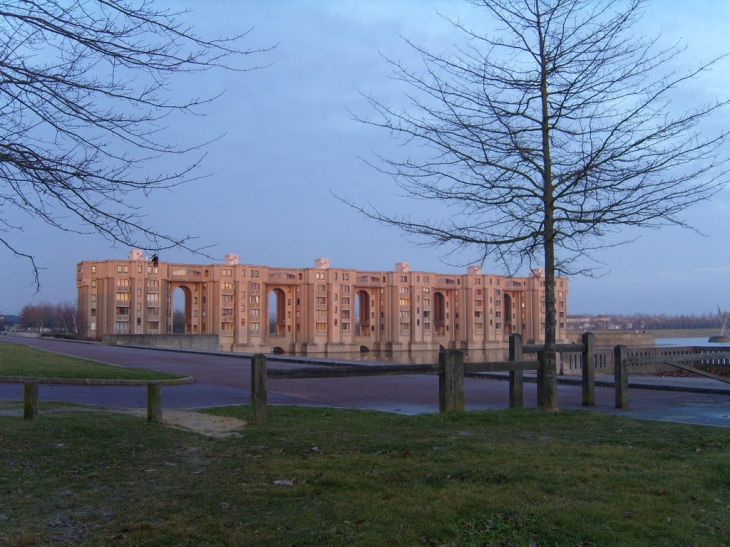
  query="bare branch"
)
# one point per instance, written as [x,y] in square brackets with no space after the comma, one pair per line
[84,103]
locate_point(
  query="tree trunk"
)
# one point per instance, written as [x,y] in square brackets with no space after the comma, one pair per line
[547,379]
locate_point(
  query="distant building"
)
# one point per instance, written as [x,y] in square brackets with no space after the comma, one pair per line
[315,310]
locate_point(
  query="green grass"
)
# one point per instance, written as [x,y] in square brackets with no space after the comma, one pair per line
[314,476]
[20,360]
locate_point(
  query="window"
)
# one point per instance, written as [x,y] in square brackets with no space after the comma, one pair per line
[255,312]
[153,283]
[153,297]
[255,286]
[345,300]
[122,282]
[227,299]
[121,326]
[153,325]
[227,326]
[345,288]
[228,285]
[345,314]
[255,327]
[254,299]
[122,310]
[404,302]
[321,300]
[93,312]
[151,310]
[346,327]
[345,276]
[123,296]
[321,328]
[93,283]
[498,326]
[227,312]
[403,290]
[93,298]
[93,269]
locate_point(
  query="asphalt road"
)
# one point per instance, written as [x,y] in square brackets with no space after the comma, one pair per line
[224,379]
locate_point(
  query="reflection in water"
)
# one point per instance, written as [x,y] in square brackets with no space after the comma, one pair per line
[413,357]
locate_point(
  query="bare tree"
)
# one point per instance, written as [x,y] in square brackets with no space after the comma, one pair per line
[546,135]
[85,90]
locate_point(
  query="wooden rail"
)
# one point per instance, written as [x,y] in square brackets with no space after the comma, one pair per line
[31,391]
[451,369]
[622,361]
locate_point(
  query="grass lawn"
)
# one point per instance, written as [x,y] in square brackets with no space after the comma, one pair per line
[313,476]
[20,360]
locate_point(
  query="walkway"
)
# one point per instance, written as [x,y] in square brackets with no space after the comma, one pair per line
[224,379]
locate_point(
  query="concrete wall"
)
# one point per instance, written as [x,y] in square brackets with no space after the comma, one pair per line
[202,342]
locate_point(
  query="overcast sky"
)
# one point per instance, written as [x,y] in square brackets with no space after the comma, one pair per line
[289,143]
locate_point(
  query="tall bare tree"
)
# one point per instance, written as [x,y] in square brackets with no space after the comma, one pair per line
[85,90]
[545,135]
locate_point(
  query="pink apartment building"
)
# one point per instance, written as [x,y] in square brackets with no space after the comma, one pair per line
[314,310]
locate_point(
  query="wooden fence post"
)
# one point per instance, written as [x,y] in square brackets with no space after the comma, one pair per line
[30,400]
[540,379]
[516,384]
[589,370]
[451,381]
[154,402]
[621,377]
[259,410]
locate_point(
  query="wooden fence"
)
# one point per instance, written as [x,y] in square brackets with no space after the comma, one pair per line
[31,391]
[451,369]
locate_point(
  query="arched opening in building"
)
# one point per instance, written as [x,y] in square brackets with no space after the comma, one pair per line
[507,314]
[362,313]
[278,350]
[181,311]
[277,312]
[364,349]
[439,313]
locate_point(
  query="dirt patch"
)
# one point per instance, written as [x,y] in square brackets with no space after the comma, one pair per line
[205,424]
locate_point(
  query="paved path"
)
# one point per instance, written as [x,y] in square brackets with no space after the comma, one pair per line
[224,379]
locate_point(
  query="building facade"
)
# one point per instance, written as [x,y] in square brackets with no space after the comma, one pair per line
[320,310]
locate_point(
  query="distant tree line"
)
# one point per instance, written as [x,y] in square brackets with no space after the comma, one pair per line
[644,322]
[56,318]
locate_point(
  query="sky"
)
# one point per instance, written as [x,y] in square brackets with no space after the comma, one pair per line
[287,144]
